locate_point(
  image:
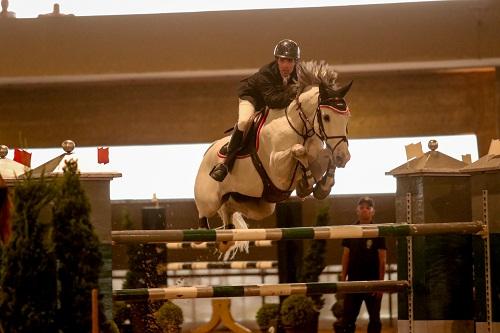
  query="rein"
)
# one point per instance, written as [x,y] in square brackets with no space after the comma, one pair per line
[304,136]
[309,130]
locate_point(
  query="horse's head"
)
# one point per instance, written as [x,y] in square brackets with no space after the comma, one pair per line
[326,101]
[333,116]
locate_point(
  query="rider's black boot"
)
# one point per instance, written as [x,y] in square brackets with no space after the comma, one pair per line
[219,172]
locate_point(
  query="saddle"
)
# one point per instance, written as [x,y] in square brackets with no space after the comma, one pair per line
[249,148]
[250,140]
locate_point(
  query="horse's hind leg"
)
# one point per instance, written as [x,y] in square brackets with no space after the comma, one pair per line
[232,220]
[227,223]
[225,215]
[203,223]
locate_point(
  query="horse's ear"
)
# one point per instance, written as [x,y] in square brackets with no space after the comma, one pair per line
[323,90]
[342,91]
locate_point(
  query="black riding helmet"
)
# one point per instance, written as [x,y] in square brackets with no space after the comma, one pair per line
[287,48]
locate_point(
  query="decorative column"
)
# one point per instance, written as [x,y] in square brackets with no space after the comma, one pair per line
[430,189]
[485,203]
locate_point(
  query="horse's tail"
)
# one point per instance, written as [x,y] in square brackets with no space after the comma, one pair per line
[239,246]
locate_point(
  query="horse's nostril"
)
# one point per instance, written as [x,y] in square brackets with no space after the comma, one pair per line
[341,160]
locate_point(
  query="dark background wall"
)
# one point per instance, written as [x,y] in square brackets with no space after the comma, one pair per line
[166,111]
[419,69]
[235,40]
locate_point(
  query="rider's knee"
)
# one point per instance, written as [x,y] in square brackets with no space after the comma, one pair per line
[245,111]
[242,124]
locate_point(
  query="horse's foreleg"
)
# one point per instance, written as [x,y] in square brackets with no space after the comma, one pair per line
[284,161]
[305,186]
[299,152]
[324,186]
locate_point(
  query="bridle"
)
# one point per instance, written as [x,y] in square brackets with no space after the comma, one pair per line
[324,135]
[309,129]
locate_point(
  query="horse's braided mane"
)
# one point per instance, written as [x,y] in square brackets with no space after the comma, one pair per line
[315,73]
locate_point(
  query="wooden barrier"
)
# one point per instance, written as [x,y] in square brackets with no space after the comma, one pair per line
[329,232]
[176,266]
[158,294]
[212,245]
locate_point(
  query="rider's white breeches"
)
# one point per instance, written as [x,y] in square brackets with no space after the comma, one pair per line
[245,111]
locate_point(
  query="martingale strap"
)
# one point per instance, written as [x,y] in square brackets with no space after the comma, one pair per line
[271,193]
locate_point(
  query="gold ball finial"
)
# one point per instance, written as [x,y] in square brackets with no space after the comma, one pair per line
[4,150]
[433,145]
[155,201]
[68,146]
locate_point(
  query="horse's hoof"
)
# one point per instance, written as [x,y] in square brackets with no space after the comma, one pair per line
[223,247]
[202,226]
[320,193]
[303,195]
[203,223]
[303,190]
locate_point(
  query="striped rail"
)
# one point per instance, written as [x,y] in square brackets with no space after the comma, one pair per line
[158,294]
[212,245]
[329,232]
[176,266]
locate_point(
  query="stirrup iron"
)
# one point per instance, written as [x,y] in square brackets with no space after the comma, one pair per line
[219,172]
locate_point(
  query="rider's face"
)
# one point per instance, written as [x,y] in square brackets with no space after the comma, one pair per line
[286,66]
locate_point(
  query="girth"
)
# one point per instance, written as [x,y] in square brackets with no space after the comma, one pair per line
[270,193]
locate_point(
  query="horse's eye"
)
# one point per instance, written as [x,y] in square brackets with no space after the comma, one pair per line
[326,118]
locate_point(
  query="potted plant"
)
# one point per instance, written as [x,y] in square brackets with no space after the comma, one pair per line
[169,317]
[297,314]
[314,263]
[267,315]
[121,316]
[113,328]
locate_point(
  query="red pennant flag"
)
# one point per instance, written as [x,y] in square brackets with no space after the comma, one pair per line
[5,207]
[22,156]
[103,155]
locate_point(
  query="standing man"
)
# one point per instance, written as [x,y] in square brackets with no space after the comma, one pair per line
[363,259]
[271,86]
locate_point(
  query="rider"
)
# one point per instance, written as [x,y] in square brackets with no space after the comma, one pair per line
[271,86]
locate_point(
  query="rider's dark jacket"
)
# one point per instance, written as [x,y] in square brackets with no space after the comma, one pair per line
[266,88]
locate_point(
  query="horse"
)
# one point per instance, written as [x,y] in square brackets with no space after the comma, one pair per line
[295,148]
